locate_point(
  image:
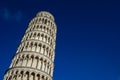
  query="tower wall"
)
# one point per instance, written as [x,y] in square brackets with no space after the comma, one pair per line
[34,59]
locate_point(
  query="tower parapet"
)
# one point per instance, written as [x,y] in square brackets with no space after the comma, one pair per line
[45,14]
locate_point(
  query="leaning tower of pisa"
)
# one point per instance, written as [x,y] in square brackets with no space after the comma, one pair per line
[34,59]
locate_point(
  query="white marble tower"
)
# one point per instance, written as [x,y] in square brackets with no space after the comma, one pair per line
[34,59]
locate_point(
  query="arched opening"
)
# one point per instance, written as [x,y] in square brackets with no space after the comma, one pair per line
[45,63]
[38,77]
[31,45]
[45,21]
[41,60]
[43,77]
[32,77]
[37,61]
[40,45]
[26,76]
[37,27]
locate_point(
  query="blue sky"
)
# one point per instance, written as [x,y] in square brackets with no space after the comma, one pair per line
[88,37]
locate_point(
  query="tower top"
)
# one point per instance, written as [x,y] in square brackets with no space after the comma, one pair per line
[45,14]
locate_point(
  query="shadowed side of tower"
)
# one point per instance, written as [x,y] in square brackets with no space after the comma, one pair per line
[34,59]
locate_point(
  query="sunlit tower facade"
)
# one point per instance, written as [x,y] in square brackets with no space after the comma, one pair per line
[34,59]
